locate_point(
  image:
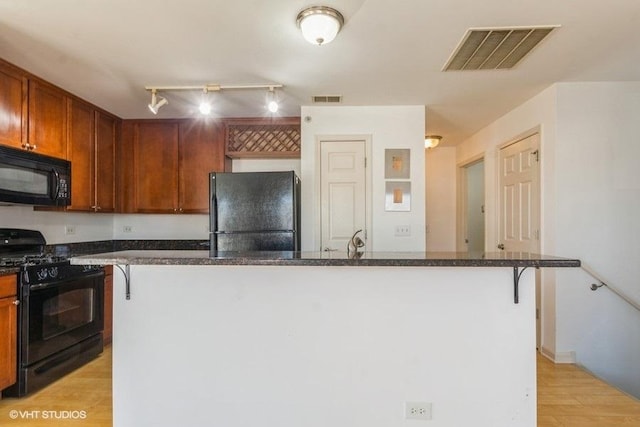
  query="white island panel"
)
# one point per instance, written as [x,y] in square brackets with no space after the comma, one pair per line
[241,346]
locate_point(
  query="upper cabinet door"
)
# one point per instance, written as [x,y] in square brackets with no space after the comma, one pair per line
[47,119]
[13,106]
[105,186]
[81,155]
[201,152]
[155,166]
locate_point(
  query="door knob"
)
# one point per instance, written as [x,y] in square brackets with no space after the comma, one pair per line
[501,246]
[328,249]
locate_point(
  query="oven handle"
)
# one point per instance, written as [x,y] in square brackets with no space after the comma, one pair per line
[40,286]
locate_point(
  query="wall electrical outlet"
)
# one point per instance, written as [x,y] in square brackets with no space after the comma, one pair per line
[69,229]
[417,410]
[127,229]
[402,230]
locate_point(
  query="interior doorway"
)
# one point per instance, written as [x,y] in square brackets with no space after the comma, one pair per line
[475,206]
[471,206]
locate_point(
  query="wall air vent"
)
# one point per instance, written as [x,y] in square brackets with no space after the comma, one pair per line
[495,48]
[327,99]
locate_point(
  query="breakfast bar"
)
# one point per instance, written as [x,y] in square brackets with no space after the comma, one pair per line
[324,338]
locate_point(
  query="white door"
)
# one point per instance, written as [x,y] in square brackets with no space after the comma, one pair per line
[520,204]
[343,193]
[520,196]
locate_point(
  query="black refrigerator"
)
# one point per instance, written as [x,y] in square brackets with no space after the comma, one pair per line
[254,211]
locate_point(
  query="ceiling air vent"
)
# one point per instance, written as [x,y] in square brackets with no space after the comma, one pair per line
[327,99]
[495,48]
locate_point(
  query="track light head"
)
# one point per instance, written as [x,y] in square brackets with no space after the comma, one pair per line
[272,103]
[205,104]
[156,102]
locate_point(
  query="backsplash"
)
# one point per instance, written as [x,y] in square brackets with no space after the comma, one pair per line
[85,248]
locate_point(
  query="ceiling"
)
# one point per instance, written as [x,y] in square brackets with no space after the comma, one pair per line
[388,53]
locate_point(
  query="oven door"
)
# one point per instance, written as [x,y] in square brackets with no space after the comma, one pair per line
[60,314]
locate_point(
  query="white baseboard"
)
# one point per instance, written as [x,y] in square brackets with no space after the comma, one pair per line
[562,357]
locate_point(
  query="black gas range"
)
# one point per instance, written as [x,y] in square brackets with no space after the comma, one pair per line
[60,311]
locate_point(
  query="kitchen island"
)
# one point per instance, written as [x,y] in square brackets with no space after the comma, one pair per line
[324,339]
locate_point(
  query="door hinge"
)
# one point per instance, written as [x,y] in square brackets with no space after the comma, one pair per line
[537,154]
[537,234]
[365,162]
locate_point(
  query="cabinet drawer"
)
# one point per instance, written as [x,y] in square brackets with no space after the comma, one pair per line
[8,286]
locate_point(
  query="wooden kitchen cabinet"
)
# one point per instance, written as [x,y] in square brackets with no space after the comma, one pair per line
[166,164]
[81,153]
[107,135]
[155,167]
[47,119]
[200,151]
[107,333]
[8,330]
[91,150]
[14,89]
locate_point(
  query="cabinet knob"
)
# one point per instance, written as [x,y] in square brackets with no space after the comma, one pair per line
[33,147]
[25,145]
[16,302]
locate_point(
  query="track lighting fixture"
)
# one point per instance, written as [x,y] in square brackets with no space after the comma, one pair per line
[156,102]
[205,105]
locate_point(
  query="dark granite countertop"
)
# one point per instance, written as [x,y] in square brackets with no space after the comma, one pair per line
[386,259]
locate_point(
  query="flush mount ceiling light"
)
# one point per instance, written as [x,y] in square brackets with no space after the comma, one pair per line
[432,141]
[320,24]
[156,102]
[205,105]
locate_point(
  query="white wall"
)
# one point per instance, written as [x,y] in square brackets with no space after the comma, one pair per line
[88,227]
[590,208]
[389,127]
[160,227]
[266,165]
[440,186]
[598,212]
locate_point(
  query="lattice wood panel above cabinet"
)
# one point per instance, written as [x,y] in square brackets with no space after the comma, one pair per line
[263,138]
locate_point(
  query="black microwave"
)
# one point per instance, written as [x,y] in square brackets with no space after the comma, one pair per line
[33,179]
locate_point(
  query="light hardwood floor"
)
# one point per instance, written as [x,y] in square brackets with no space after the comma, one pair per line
[86,389]
[570,397]
[567,397]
